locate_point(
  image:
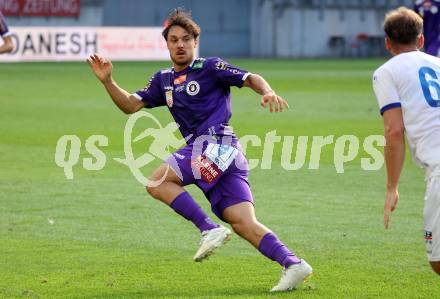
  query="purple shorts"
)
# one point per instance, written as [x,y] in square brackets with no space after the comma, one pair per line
[220,171]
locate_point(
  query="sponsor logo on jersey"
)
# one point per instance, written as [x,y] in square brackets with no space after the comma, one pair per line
[179,88]
[192,88]
[220,65]
[198,64]
[223,66]
[180,80]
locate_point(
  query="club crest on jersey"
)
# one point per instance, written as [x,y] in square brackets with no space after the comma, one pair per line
[192,88]
[169,96]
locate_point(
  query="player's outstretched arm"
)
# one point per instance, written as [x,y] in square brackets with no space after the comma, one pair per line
[7,46]
[260,86]
[394,131]
[102,68]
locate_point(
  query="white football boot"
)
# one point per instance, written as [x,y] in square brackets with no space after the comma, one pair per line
[212,239]
[293,276]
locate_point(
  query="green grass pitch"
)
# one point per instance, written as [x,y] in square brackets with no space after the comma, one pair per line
[101,236]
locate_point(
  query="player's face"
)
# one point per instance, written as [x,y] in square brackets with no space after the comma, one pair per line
[182,46]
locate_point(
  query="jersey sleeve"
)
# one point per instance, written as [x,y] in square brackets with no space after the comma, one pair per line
[227,74]
[152,94]
[385,90]
[4,31]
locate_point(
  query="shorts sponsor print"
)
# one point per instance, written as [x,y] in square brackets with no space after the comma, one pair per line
[219,170]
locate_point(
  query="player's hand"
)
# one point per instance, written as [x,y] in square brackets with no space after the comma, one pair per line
[276,103]
[101,67]
[392,197]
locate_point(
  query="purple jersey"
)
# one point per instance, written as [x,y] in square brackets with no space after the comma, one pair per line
[198,97]
[4,31]
[430,11]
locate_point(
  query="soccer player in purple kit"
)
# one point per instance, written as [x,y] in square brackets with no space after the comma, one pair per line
[7,45]
[429,10]
[197,93]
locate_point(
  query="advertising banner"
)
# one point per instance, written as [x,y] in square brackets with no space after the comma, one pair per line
[40,8]
[77,43]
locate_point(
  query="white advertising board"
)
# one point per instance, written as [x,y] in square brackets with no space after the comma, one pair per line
[77,43]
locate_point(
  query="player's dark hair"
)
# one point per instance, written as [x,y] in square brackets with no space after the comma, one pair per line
[182,18]
[403,26]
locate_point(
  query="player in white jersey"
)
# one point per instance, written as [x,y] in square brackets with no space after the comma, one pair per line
[407,88]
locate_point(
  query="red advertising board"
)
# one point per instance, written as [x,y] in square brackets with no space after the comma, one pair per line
[40,8]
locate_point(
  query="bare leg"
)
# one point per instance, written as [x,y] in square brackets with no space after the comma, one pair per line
[436,267]
[171,192]
[170,188]
[243,221]
[242,218]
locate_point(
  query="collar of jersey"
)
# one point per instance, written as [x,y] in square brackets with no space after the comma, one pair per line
[185,70]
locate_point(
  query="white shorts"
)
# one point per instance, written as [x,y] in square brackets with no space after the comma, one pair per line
[431,216]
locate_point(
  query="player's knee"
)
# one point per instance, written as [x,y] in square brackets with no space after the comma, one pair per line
[153,191]
[435,267]
[246,228]
[239,228]
[256,229]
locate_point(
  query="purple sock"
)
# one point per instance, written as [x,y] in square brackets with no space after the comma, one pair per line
[271,247]
[185,206]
